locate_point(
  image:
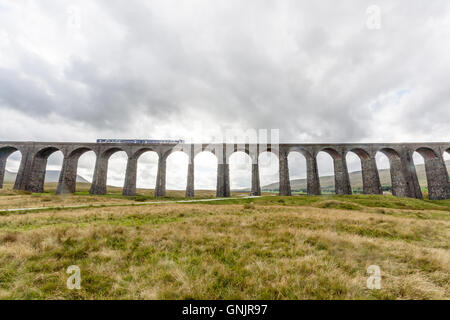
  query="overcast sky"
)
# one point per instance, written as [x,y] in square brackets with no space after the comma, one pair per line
[320,71]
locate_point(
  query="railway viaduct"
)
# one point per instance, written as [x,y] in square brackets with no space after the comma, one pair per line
[32,168]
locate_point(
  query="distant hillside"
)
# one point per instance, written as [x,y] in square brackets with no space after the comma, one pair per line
[50,176]
[327,182]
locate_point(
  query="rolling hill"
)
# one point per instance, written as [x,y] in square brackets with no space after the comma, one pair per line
[50,176]
[327,182]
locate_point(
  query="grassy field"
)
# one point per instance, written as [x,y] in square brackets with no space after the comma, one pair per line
[271,247]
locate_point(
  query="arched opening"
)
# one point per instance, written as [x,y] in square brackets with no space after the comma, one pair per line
[384,172]
[146,172]
[205,173]
[85,170]
[269,172]
[240,172]
[176,174]
[419,163]
[354,167]
[398,181]
[117,166]
[53,170]
[9,166]
[42,162]
[297,172]
[436,175]
[326,172]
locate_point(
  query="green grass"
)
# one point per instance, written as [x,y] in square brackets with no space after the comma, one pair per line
[373,201]
[271,247]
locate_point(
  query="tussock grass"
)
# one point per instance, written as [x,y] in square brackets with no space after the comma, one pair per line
[335,204]
[262,248]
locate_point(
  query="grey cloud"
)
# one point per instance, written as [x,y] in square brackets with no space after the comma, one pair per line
[312,69]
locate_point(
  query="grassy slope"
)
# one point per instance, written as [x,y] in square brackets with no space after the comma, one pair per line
[267,248]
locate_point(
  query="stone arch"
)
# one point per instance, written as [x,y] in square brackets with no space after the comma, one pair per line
[427,153]
[361,153]
[5,153]
[177,173]
[69,172]
[106,154]
[116,167]
[436,173]
[369,173]
[205,162]
[39,167]
[398,180]
[146,160]
[99,181]
[312,172]
[236,150]
[275,152]
[354,166]
[135,168]
[78,152]
[240,165]
[85,165]
[325,169]
[269,170]
[341,177]
[211,148]
[137,154]
[297,163]
[332,152]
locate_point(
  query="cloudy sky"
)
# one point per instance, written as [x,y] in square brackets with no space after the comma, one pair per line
[317,70]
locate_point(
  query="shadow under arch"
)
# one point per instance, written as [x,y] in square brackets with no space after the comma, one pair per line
[5,153]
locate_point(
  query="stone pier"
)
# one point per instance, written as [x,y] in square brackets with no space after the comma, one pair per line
[312,177]
[160,190]
[285,184]
[129,187]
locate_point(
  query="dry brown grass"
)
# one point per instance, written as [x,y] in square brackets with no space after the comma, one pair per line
[10,198]
[226,251]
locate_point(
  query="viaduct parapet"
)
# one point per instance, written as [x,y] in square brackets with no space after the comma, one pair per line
[33,164]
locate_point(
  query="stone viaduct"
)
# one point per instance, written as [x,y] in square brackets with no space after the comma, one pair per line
[32,168]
